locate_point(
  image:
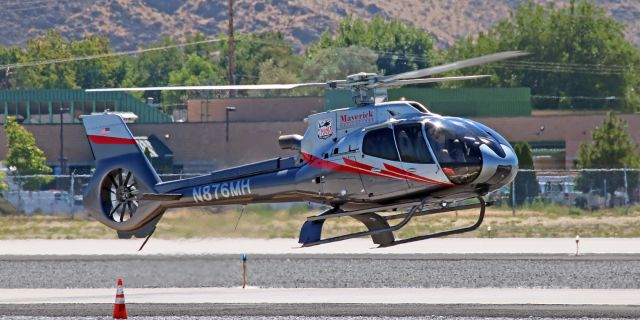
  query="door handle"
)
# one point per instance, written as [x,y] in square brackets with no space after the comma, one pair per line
[412,170]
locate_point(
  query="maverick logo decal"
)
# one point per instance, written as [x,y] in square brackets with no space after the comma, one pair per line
[222,190]
[352,118]
[325,128]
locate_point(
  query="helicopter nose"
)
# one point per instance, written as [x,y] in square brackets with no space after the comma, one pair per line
[497,171]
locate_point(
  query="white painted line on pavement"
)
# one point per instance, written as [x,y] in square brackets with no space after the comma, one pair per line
[291,246]
[489,296]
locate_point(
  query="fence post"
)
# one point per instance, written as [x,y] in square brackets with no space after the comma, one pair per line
[626,191]
[72,194]
[513,197]
[606,203]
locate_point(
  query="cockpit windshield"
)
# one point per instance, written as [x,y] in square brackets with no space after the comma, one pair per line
[457,148]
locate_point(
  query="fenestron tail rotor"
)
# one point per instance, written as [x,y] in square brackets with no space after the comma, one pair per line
[119,195]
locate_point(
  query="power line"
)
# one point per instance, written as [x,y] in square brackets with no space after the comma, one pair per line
[542,66]
[125,53]
[103,55]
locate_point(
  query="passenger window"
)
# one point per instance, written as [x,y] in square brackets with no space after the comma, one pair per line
[379,143]
[411,144]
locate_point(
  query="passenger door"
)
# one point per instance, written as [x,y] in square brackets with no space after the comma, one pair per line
[378,154]
[418,164]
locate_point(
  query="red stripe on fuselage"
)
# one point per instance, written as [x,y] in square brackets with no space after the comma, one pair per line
[325,164]
[369,169]
[110,140]
[363,168]
[415,177]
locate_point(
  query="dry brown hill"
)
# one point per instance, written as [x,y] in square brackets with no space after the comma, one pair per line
[134,23]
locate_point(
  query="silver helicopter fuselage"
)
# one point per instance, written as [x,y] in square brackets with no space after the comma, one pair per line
[352,158]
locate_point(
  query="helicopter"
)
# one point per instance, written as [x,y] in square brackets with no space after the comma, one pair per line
[376,162]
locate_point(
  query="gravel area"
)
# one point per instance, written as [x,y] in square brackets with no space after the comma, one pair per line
[326,271]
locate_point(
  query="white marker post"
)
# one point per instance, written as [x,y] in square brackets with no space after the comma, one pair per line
[577,244]
[489,231]
[244,270]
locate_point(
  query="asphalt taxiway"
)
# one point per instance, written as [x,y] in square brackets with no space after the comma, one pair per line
[589,271]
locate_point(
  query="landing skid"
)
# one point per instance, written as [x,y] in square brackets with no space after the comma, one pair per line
[378,226]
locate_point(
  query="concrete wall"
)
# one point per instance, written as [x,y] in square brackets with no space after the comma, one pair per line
[255,109]
[203,146]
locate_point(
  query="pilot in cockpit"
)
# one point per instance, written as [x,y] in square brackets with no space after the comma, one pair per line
[441,147]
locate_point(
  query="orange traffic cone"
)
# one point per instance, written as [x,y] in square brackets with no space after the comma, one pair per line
[119,308]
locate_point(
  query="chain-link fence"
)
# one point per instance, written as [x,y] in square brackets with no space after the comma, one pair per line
[588,189]
[581,189]
[51,194]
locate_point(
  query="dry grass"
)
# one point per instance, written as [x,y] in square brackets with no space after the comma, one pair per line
[263,222]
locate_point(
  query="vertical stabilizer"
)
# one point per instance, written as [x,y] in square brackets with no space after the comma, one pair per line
[122,177]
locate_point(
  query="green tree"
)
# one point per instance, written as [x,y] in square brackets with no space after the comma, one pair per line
[152,68]
[281,71]
[3,183]
[400,47]
[611,148]
[576,52]
[204,49]
[337,63]
[526,184]
[95,73]
[195,71]
[253,49]
[24,155]
[49,46]
[7,56]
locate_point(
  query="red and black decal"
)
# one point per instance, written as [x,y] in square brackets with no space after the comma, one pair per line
[353,166]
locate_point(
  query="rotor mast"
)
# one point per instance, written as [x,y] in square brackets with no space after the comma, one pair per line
[363,88]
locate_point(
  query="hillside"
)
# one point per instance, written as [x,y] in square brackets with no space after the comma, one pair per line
[134,23]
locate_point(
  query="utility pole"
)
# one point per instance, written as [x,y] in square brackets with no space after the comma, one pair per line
[62,159]
[227,110]
[230,52]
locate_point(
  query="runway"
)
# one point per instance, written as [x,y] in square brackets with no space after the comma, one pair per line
[492,279]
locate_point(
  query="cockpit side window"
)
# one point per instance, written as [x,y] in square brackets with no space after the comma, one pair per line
[379,143]
[411,144]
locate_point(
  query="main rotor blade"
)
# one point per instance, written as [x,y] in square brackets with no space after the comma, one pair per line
[398,83]
[455,65]
[221,87]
